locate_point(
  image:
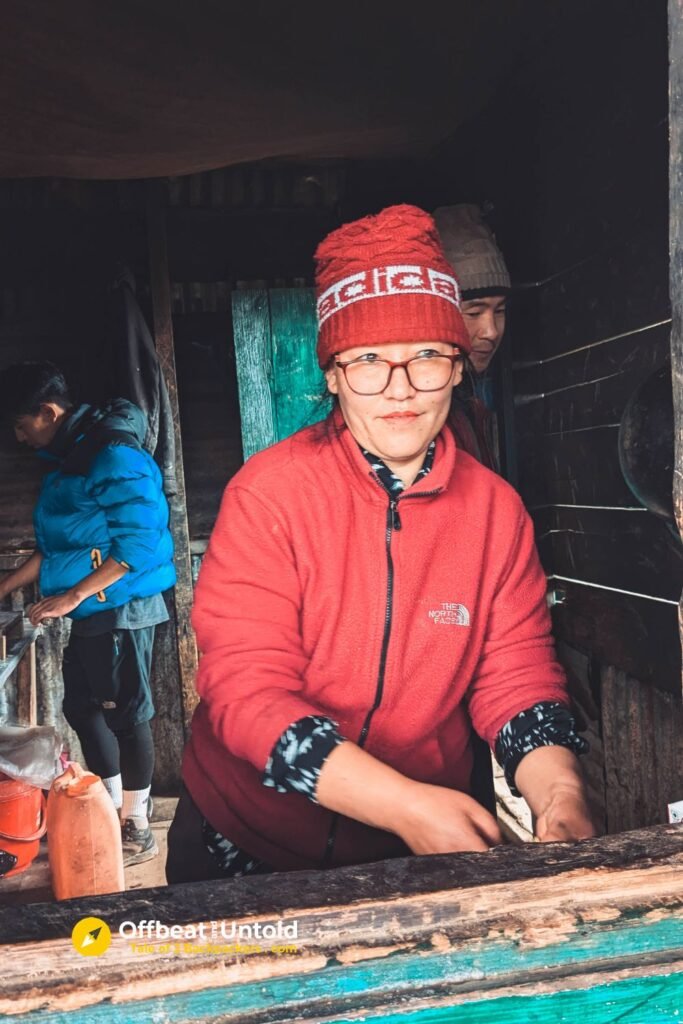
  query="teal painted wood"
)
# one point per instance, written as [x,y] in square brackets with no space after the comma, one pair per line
[650,1000]
[253,356]
[298,383]
[484,965]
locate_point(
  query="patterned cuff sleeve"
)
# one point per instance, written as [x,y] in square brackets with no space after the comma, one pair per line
[297,757]
[546,724]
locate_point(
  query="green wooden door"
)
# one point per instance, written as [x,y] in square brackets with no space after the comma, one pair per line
[281,387]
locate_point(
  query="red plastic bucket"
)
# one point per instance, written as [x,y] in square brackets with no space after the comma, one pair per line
[22,823]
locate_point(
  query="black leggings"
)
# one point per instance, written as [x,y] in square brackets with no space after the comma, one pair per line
[129,751]
[108,702]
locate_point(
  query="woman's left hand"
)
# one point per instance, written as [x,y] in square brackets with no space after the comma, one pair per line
[565,818]
[53,607]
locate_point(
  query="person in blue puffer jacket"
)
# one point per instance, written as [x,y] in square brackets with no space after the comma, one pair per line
[104,554]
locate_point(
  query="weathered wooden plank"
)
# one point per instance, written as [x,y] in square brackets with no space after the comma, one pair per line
[606,307]
[589,387]
[629,550]
[254,359]
[27,696]
[344,887]
[580,468]
[638,636]
[163,336]
[622,1000]
[298,384]
[643,744]
[489,984]
[454,929]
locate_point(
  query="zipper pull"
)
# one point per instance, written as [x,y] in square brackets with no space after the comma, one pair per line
[393,514]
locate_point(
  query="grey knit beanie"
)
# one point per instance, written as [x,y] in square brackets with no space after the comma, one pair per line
[471,249]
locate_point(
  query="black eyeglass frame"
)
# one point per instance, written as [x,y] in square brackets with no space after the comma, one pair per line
[453,359]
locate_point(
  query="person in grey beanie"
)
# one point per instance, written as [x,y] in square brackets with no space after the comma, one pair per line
[471,249]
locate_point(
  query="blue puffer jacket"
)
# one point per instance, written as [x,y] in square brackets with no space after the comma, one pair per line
[105,499]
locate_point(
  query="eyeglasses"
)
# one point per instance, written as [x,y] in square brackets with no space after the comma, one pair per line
[424,372]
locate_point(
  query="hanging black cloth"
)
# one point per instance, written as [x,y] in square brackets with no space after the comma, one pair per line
[136,373]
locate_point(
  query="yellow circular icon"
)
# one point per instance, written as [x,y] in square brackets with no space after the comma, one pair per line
[91,936]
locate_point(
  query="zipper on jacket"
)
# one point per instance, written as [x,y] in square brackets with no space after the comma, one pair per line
[393,522]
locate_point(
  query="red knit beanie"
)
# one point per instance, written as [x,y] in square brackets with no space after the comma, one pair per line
[385,279]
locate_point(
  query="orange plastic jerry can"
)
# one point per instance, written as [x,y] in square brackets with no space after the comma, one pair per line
[83,836]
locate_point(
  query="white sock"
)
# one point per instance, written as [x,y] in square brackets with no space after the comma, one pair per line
[135,806]
[114,787]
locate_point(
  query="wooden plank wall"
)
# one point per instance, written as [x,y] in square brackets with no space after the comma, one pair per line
[576,165]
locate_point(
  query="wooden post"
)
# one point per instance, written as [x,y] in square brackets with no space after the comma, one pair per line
[27,695]
[163,337]
[676,247]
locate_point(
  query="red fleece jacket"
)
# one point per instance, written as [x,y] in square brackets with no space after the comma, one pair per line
[291,609]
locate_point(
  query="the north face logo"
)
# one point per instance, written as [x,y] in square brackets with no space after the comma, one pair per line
[450,614]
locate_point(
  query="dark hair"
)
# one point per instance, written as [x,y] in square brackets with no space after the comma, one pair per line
[24,387]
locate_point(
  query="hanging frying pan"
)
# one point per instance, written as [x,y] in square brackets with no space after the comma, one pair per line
[646,443]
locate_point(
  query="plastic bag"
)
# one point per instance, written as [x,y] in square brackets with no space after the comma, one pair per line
[31,755]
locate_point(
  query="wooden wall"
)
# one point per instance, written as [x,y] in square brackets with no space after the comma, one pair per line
[574,156]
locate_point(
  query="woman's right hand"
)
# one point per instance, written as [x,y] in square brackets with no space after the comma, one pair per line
[438,820]
[429,819]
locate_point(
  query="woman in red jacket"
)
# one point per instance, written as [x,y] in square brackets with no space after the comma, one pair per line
[369,596]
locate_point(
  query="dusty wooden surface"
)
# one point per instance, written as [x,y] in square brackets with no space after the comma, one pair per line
[411,932]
